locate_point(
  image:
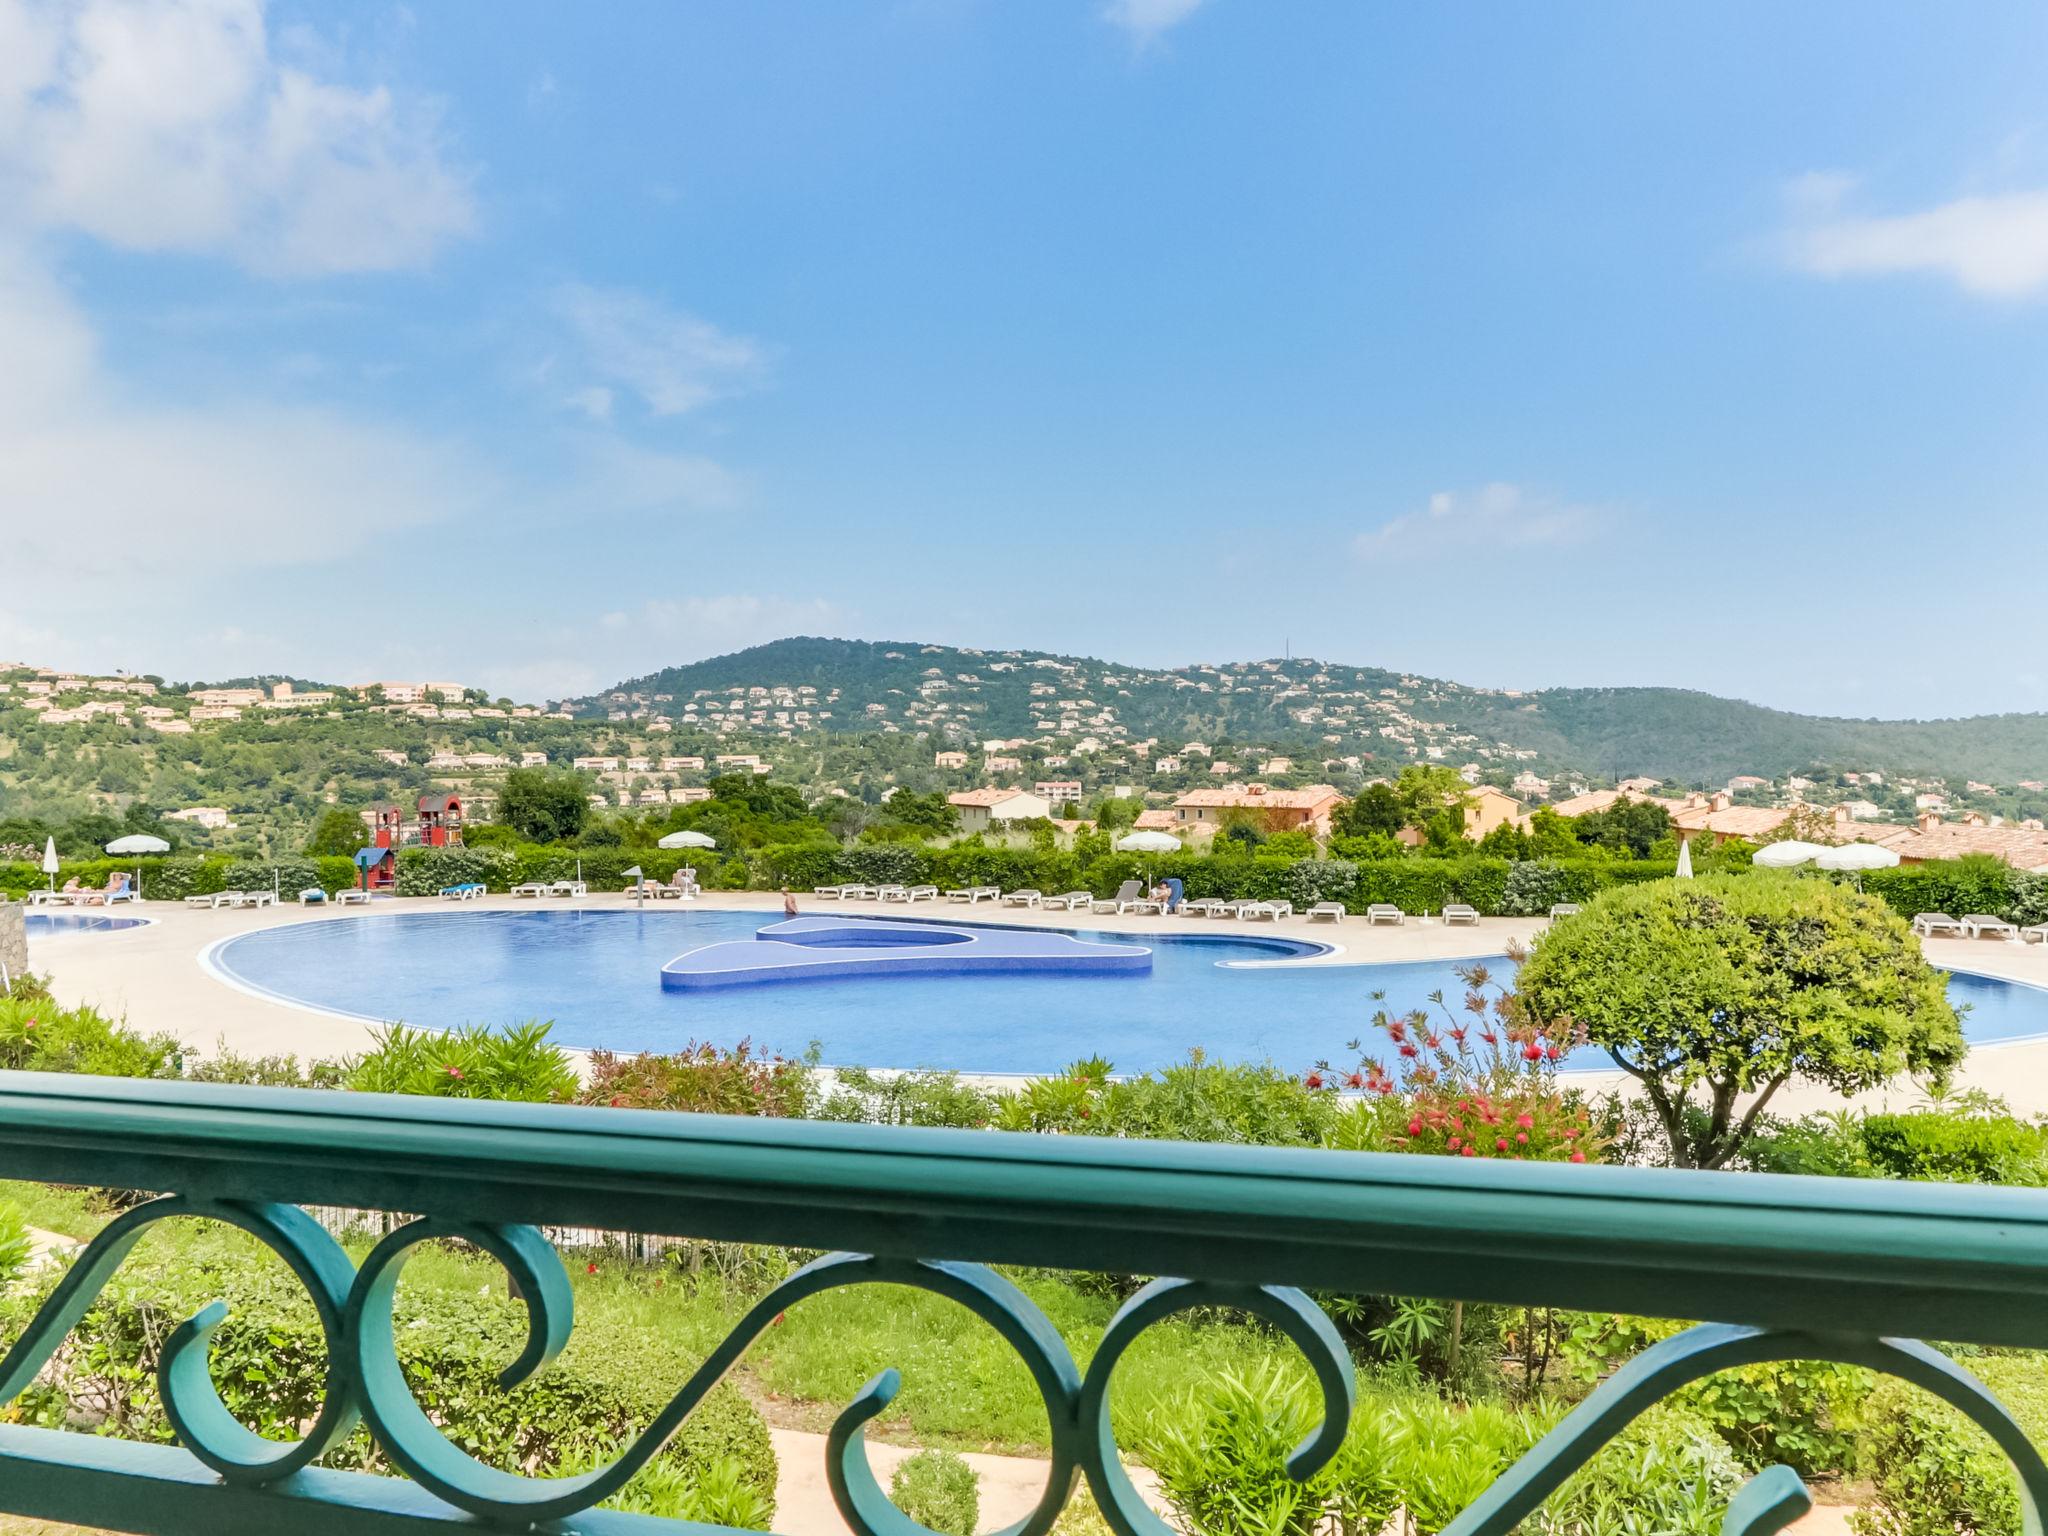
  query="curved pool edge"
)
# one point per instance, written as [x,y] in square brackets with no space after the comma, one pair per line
[1318,954]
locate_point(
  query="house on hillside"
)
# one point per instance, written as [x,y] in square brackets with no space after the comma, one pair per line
[981,808]
[1200,811]
[1485,809]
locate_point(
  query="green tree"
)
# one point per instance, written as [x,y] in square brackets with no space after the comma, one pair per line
[1633,827]
[337,832]
[1551,836]
[1114,813]
[544,806]
[1375,809]
[1734,985]
[932,814]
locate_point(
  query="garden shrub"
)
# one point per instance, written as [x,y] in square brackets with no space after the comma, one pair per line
[939,1491]
[1534,886]
[517,1063]
[1956,1149]
[1308,881]
[703,1078]
[426,871]
[38,1036]
[13,1244]
[885,864]
[269,1360]
[1807,1414]
[926,1096]
[1932,1472]
[1252,1104]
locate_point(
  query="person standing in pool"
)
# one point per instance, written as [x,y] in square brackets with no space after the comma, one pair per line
[788,902]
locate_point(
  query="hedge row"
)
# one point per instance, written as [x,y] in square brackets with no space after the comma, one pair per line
[1497,887]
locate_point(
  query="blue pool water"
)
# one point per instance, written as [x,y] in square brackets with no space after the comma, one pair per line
[597,975]
[53,923]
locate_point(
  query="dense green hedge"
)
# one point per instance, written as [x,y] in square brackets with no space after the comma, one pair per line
[1497,887]
[1934,1474]
[1415,885]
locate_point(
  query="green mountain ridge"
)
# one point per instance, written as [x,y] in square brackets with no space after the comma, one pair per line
[1675,734]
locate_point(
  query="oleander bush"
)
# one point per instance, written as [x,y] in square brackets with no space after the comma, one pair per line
[36,1035]
[702,1078]
[517,1063]
[939,1491]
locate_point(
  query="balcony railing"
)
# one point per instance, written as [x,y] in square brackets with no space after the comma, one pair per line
[1787,1269]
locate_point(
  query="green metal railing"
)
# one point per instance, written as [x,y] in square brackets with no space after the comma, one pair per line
[1788,1269]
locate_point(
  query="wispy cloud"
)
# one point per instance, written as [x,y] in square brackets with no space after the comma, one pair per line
[1993,245]
[173,125]
[673,361]
[1146,21]
[1494,517]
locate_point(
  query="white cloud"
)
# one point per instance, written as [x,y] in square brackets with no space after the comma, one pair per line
[1148,20]
[1494,517]
[1994,245]
[99,486]
[173,125]
[672,360]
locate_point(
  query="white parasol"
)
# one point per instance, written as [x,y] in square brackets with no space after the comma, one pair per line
[1786,855]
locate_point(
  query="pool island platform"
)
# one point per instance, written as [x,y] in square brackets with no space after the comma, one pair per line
[841,948]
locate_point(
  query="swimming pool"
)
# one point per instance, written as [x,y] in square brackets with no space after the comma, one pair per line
[597,975]
[51,924]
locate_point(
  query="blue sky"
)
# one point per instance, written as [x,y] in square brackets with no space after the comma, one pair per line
[543,345]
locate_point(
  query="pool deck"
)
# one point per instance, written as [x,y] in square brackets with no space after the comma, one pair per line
[155,978]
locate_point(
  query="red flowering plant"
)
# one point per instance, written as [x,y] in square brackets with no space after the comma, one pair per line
[1477,1080]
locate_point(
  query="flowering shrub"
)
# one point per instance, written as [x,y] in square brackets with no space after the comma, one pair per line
[704,1078]
[1477,1081]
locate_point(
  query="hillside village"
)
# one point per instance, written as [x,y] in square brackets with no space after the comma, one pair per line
[1009,736]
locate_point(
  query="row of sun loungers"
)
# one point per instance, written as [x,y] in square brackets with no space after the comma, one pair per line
[95,897]
[1976,925]
[233,899]
[539,888]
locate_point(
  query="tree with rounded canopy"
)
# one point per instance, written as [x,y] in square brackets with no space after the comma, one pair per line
[544,807]
[337,833]
[1736,985]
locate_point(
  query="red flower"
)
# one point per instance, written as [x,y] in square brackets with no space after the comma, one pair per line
[592,1269]
[1410,1052]
[1532,1052]
[1414,1127]
[1357,1080]
[1489,1037]
[1315,1080]
[1525,1120]
[1556,1052]
[455,1071]
[1500,1144]
[1522,1137]
[1468,1152]
[1578,1157]
[1453,1143]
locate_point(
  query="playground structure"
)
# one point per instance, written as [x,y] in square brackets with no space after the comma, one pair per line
[437,824]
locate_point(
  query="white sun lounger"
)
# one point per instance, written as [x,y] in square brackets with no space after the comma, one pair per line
[1069,900]
[1273,911]
[46,899]
[1565,909]
[974,893]
[352,898]
[830,892]
[2034,933]
[1928,924]
[207,902]
[892,893]
[1333,910]
[1128,898]
[529,888]
[1977,924]
[569,888]
[1024,898]
[1458,912]
[1384,912]
[1201,906]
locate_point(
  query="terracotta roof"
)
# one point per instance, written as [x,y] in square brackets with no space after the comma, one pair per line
[1751,821]
[1600,799]
[1155,821]
[1314,798]
[2021,847]
[985,797]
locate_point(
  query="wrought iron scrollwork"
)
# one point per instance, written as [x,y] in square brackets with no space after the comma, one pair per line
[366,1383]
